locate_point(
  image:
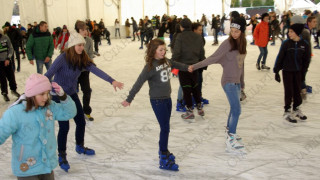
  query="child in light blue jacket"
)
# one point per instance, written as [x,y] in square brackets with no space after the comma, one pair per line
[30,121]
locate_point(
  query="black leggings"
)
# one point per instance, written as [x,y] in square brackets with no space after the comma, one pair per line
[189,84]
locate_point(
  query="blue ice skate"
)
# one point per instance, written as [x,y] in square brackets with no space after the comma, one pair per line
[167,161]
[84,150]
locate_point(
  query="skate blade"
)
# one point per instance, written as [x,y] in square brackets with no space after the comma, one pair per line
[190,120]
[236,152]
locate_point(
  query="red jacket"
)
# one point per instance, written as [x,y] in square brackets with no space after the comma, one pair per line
[66,37]
[261,34]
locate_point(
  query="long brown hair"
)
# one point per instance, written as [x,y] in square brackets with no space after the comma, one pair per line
[31,103]
[151,51]
[241,46]
[79,61]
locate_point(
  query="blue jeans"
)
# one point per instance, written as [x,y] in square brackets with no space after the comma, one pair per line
[142,39]
[232,91]
[40,64]
[162,109]
[263,53]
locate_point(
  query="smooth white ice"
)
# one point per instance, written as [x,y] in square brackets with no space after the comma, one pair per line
[126,139]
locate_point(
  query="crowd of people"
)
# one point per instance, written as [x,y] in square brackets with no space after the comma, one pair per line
[187,39]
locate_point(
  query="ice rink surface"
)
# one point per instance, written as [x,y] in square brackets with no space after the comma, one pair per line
[126,139]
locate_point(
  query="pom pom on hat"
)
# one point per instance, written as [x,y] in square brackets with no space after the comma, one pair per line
[75,38]
[37,84]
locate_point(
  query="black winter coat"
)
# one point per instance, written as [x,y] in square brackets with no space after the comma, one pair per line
[293,56]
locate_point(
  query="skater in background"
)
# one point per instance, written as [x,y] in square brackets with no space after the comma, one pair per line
[63,38]
[135,29]
[96,33]
[31,122]
[142,29]
[6,70]
[157,72]
[261,38]
[231,54]
[293,59]
[253,22]
[84,80]
[117,28]
[197,28]
[70,64]
[274,27]
[107,32]
[188,49]
[40,47]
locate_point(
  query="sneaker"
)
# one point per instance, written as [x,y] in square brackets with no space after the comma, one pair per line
[167,161]
[188,115]
[265,67]
[303,94]
[252,43]
[63,163]
[298,114]
[24,57]
[273,44]
[288,116]
[141,47]
[15,93]
[84,150]
[5,97]
[200,109]
[233,146]
[88,117]
[258,66]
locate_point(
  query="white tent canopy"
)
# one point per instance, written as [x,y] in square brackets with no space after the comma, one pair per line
[298,6]
[60,12]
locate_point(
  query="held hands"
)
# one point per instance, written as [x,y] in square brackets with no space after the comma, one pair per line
[6,62]
[277,77]
[190,68]
[125,103]
[117,84]
[31,62]
[57,88]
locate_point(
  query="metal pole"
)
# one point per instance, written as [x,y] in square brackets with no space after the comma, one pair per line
[88,9]
[45,9]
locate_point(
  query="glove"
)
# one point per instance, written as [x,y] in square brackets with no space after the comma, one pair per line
[277,77]
[57,88]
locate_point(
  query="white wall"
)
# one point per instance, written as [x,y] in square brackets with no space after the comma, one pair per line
[6,8]
[30,11]
[152,7]
[131,8]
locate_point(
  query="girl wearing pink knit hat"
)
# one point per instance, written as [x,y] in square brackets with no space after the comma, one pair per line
[30,121]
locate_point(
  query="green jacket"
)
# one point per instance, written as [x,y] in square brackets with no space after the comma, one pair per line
[39,45]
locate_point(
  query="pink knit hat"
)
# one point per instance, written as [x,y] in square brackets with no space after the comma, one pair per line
[37,84]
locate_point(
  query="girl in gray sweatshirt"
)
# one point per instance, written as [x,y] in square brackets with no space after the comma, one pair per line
[157,72]
[231,55]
